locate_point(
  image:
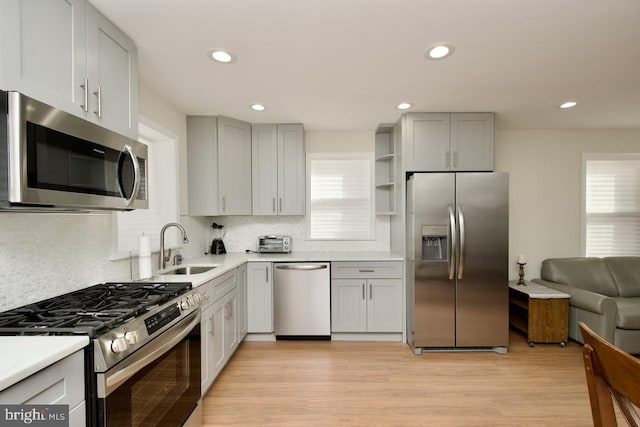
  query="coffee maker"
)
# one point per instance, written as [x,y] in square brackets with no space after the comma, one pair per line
[217,245]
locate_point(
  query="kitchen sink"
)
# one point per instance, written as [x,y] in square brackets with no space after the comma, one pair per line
[191,269]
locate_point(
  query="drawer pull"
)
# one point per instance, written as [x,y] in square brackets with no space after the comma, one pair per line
[367,271]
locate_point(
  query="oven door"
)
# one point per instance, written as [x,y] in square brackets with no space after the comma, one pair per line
[158,385]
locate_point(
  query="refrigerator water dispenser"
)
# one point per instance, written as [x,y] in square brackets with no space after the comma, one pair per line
[434,243]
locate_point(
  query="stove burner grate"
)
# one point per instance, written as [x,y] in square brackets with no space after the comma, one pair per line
[91,311]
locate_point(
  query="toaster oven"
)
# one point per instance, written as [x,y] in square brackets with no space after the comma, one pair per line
[274,244]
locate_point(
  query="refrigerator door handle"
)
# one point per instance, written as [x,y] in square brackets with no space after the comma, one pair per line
[462,242]
[452,254]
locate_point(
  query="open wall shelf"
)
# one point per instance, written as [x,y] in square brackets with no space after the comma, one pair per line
[385,170]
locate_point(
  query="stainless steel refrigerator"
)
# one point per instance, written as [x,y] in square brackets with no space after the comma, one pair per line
[458,237]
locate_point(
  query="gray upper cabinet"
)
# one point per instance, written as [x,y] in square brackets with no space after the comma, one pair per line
[438,142]
[291,170]
[264,169]
[66,54]
[278,169]
[473,141]
[234,167]
[44,50]
[428,141]
[202,158]
[112,61]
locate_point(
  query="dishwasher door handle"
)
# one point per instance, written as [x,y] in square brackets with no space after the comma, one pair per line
[301,267]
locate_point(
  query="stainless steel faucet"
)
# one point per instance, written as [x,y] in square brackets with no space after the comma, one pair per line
[166,257]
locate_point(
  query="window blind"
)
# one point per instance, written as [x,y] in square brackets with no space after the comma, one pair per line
[612,207]
[340,199]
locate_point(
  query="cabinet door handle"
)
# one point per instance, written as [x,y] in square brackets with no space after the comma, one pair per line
[363,297]
[213,325]
[273,204]
[211,331]
[370,291]
[98,93]
[85,98]
[280,204]
[455,158]
[224,204]
[266,274]
[448,159]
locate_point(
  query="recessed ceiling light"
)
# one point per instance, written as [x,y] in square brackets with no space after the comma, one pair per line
[221,55]
[439,51]
[568,104]
[258,107]
[404,106]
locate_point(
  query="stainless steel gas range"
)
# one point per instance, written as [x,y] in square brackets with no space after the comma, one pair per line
[142,366]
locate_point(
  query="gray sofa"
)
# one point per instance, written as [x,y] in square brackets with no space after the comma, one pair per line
[605,294]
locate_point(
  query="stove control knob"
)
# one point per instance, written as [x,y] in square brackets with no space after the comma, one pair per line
[184,304]
[132,337]
[119,345]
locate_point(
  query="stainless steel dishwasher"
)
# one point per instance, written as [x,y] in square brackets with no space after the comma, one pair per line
[302,300]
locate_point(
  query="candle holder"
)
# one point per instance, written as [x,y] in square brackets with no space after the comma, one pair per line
[521,273]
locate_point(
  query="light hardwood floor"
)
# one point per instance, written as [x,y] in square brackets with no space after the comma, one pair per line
[288,383]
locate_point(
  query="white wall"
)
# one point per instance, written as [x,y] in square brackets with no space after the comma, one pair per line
[242,231]
[155,108]
[545,188]
[44,255]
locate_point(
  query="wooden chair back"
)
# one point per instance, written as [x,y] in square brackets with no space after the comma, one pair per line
[610,372]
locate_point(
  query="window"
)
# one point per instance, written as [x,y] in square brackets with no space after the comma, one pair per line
[611,205]
[163,196]
[340,197]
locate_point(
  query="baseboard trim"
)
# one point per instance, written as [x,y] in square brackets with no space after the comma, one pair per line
[260,337]
[367,337]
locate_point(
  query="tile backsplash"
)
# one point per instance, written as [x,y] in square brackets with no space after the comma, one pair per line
[241,233]
[47,254]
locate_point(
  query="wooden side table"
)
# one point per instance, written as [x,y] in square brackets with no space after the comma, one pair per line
[541,313]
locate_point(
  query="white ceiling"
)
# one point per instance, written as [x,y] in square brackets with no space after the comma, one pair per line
[345,64]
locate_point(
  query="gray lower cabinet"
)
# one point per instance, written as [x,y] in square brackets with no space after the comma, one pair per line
[219,327]
[242,302]
[366,296]
[260,297]
[438,142]
[278,169]
[66,54]
[62,383]
[206,336]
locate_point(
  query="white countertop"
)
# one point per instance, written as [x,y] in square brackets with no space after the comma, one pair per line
[230,261]
[23,356]
[538,291]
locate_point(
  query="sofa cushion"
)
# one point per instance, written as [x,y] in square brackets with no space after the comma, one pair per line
[590,274]
[626,274]
[628,316]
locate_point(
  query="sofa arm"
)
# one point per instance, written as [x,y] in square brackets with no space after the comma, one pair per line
[586,300]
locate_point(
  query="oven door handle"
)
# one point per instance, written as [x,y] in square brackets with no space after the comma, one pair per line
[112,379]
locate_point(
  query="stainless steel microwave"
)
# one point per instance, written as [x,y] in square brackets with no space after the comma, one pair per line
[53,159]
